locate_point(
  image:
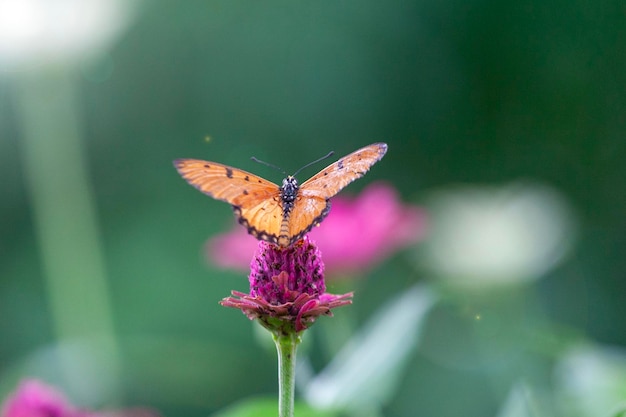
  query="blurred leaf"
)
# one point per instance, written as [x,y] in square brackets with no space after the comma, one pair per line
[621,412]
[591,381]
[523,401]
[268,407]
[365,372]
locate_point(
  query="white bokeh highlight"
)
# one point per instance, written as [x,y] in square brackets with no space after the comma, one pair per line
[490,234]
[38,32]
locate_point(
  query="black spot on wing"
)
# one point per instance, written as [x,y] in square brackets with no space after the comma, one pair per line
[229,172]
[340,164]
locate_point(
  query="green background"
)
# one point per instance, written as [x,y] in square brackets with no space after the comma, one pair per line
[463,92]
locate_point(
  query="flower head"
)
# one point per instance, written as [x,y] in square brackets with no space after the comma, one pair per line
[287,289]
[357,234]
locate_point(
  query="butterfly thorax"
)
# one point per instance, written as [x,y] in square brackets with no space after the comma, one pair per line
[288,193]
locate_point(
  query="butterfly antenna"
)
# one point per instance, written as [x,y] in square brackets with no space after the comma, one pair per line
[269,165]
[314,162]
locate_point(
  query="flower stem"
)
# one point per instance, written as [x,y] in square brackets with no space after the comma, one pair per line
[65,217]
[286,345]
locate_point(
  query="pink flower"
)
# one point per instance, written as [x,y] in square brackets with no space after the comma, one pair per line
[357,234]
[287,289]
[34,398]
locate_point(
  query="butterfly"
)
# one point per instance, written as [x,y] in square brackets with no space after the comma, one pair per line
[281,215]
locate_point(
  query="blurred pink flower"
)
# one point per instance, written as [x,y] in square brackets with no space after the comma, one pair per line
[34,398]
[357,234]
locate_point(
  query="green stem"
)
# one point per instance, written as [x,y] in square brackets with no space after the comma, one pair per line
[65,217]
[286,346]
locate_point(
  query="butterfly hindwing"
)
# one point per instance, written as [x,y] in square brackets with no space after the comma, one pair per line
[262,220]
[307,213]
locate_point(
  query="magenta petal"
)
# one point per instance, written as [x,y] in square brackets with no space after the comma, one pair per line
[297,314]
[308,306]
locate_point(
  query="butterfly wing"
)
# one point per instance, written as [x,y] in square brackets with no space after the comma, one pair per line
[307,212]
[256,201]
[336,176]
[314,205]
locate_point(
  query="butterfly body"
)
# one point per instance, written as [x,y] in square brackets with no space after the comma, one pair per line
[279,215]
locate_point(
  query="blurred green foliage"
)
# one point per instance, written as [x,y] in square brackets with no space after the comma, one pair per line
[463,92]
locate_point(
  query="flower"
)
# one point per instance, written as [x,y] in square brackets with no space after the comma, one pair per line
[357,234]
[287,289]
[361,232]
[34,398]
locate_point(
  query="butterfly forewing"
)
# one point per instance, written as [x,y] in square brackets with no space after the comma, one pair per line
[336,176]
[235,186]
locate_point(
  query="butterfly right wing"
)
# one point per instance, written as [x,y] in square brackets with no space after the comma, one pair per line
[256,201]
[313,204]
[329,181]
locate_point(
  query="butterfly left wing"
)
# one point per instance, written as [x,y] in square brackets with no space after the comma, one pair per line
[313,204]
[232,185]
[254,199]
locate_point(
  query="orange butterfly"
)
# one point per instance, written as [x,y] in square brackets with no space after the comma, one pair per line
[279,215]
